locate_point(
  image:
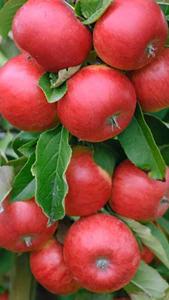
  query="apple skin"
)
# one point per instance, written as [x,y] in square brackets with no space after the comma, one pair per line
[4,296]
[102,253]
[22,102]
[152,84]
[24,227]
[57,39]
[137,196]
[147,255]
[50,270]
[89,184]
[96,94]
[130,34]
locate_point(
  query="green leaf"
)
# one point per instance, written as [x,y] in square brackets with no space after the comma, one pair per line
[140,147]
[104,157]
[92,10]
[23,187]
[140,296]
[6,178]
[1,3]
[165,154]
[17,164]
[164,4]
[86,295]
[160,236]
[150,282]
[6,261]
[7,14]
[24,142]
[149,239]
[159,129]
[52,94]
[28,148]
[53,155]
[164,224]
[4,142]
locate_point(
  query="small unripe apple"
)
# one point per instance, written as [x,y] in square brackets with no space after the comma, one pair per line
[99,104]
[89,184]
[51,33]
[101,253]
[147,255]
[137,196]
[4,296]
[130,34]
[152,84]
[22,102]
[50,270]
[24,227]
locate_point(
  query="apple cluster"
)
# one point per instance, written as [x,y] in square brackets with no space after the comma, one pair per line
[98,252]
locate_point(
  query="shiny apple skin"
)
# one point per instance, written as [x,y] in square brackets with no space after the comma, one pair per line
[137,196]
[50,270]
[24,227]
[22,102]
[95,94]
[130,34]
[152,84]
[51,33]
[102,253]
[89,184]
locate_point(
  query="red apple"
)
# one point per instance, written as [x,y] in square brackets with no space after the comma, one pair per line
[49,269]
[102,253]
[99,104]
[4,296]
[147,255]
[22,102]
[137,196]
[152,84]
[130,34]
[51,33]
[89,184]
[24,227]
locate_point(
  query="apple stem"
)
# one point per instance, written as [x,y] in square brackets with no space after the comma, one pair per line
[22,282]
[151,51]
[113,121]
[28,241]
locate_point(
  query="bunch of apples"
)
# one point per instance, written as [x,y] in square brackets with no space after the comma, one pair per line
[98,252]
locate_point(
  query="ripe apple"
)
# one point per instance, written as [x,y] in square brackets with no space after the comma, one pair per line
[130,34]
[147,255]
[99,104]
[24,227]
[50,270]
[51,33]
[101,252]
[137,196]
[22,102]
[89,184]
[152,84]
[4,296]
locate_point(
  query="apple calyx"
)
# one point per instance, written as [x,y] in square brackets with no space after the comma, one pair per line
[165,200]
[151,50]
[102,263]
[28,241]
[113,121]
